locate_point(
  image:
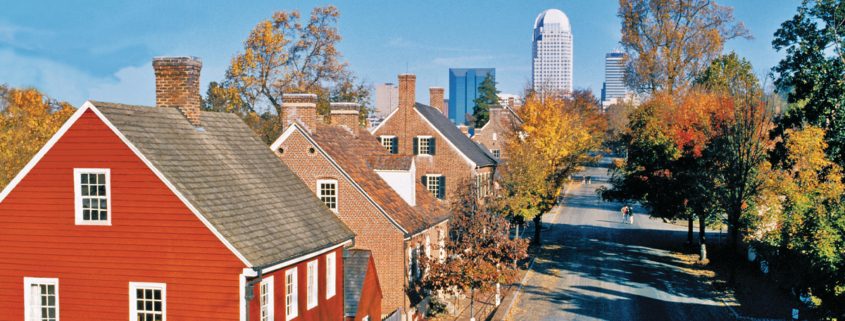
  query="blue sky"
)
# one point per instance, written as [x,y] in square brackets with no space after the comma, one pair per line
[102,49]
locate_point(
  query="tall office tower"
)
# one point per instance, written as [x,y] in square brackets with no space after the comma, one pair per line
[552,52]
[614,89]
[387,99]
[463,89]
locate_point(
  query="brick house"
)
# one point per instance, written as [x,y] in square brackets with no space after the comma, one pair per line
[375,193]
[165,212]
[445,156]
[492,136]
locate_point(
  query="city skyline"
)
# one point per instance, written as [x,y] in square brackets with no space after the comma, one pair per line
[70,58]
[551,52]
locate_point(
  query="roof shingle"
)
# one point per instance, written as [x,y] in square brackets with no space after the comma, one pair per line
[465,145]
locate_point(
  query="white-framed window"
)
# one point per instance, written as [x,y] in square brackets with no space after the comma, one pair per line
[441,244]
[410,264]
[496,153]
[327,192]
[417,255]
[147,301]
[92,196]
[267,300]
[390,143]
[424,145]
[312,296]
[434,183]
[291,295]
[41,299]
[428,246]
[366,318]
[331,274]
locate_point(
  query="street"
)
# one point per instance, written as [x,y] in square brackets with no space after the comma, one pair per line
[594,267]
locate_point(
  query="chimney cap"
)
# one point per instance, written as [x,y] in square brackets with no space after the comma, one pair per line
[177,60]
[407,76]
[436,88]
[299,98]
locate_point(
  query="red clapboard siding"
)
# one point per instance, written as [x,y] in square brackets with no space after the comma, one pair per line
[153,238]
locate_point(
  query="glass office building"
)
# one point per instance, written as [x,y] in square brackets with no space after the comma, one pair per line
[463,90]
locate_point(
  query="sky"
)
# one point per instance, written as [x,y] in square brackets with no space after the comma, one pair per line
[102,50]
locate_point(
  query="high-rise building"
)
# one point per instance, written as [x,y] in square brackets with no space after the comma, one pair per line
[387,99]
[463,90]
[614,89]
[552,52]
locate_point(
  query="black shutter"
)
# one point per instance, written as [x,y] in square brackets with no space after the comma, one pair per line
[394,148]
[425,181]
[416,145]
[432,148]
[441,191]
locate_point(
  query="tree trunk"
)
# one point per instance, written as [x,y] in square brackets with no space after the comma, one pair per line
[516,234]
[471,306]
[702,238]
[537,226]
[689,231]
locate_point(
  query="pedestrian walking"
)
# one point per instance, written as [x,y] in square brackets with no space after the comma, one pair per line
[630,215]
[624,212]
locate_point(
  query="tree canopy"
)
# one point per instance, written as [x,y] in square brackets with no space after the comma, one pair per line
[487,97]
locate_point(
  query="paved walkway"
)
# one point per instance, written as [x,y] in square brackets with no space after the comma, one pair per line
[594,267]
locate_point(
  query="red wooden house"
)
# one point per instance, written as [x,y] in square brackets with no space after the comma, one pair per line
[167,212]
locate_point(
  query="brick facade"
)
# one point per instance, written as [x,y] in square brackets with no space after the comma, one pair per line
[178,85]
[493,135]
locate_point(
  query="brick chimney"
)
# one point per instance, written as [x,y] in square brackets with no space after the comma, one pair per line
[346,115]
[178,85]
[435,97]
[302,108]
[511,102]
[464,129]
[407,100]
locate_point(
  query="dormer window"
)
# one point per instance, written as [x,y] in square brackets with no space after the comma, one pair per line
[327,192]
[424,145]
[390,143]
[92,189]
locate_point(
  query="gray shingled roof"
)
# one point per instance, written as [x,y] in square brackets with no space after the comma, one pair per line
[355,265]
[234,180]
[454,135]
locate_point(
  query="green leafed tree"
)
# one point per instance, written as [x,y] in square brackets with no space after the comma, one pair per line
[487,97]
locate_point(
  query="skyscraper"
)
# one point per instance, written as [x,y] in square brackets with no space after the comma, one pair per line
[552,52]
[614,89]
[463,89]
[387,99]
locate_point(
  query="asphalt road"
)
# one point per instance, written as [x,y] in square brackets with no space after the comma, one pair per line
[594,267]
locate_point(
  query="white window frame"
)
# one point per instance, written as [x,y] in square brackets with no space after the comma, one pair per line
[267,312]
[331,275]
[433,178]
[496,153]
[312,293]
[133,305]
[27,294]
[77,191]
[291,294]
[410,264]
[427,145]
[384,138]
[320,195]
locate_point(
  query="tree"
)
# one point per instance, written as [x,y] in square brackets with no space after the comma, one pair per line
[617,124]
[803,218]
[487,97]
[27,120]
[557,135]
[812,71]
[481,252]
[669,42]
[285,55]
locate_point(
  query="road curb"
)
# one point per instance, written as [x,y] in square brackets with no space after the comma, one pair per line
[502,314]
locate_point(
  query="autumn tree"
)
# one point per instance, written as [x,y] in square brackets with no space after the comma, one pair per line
[669,42]
[617,124]
[811,72]
[487,97]
[800,225]
[285,54]
[27,120]
[557,136]
[481,251]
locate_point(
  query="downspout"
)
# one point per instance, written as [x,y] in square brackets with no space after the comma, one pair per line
[249,294]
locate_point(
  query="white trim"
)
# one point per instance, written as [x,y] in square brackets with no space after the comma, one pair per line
[312,285]
[337,166]
[133,307]
[77,195]
[72,120]
[336,193]
[271,298]
[302,258]
[242,295]
[331,275]
[294,307]
[27,294]
[384,121]
[419,139]
[471,163]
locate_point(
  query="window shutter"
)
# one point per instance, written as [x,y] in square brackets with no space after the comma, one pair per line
[432,149]
[425,181]
[394,149]
[441,191]
[416,145]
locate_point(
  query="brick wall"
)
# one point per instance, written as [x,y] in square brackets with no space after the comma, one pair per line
[494,134]
[373,231]
[178,85]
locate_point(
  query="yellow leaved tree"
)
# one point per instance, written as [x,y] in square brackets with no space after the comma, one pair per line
[27,120]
